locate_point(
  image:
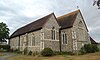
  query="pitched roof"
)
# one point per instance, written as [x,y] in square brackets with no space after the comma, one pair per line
[67,20]
[38,24]
[92,41]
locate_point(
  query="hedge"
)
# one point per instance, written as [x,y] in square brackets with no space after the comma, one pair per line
[47,52]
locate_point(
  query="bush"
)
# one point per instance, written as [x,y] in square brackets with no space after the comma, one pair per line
[47,52]
[82,51]
[30,53]
[95,48]
[89,48]
[35,53]
[25,51]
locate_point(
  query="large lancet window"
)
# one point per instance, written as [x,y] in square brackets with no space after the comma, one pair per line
[53,34]
[33,40]
[81,31]
[64,38]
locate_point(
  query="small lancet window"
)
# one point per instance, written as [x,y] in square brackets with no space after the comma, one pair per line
[53,33]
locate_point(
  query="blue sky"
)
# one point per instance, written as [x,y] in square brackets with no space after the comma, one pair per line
[17,13]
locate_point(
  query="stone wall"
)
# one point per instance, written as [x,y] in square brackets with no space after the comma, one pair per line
[47,30]
[37,37]
[68,46]
[26,41]
[81,32]
[23,42]
[14,42]
[77,36]
[54,45]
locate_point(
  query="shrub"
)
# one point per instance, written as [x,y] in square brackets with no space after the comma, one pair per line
[25,51]
[35,53]
[47,52]
[82,51]
[95,48]
[89,48]
[30,53]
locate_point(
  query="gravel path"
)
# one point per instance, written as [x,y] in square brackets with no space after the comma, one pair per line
[7,54]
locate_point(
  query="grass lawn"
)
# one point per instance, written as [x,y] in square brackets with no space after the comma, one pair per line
[91,56]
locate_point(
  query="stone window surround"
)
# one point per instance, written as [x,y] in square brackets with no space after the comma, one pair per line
[74,35]
[41,42]
[74,44]
[64,37]
[53,33]
[22,40]
[51,38]
[80,25]
[41,45]
[33,41]
[82,32]
[42,35]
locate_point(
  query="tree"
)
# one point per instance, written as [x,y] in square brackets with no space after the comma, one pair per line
[97,2]
[4,32]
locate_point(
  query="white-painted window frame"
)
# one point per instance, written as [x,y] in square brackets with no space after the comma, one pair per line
[64,38]
[54,34]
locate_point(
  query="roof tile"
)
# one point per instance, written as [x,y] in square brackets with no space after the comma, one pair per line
[31,27]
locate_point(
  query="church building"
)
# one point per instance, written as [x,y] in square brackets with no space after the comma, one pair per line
[65,33]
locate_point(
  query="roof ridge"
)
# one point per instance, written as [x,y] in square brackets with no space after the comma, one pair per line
[36,20]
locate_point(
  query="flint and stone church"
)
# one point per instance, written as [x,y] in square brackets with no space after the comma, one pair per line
[65,33]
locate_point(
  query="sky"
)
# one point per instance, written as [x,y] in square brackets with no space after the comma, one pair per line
[17,13]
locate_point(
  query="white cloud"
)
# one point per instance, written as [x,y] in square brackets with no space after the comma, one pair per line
[17,13]
[91,14]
